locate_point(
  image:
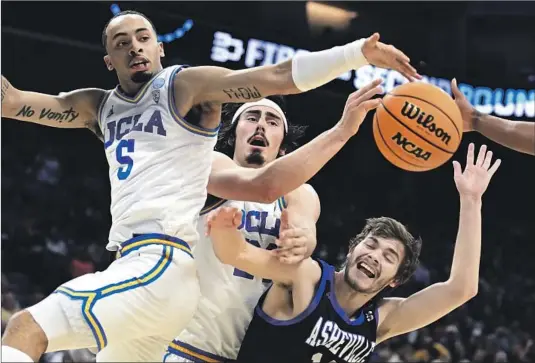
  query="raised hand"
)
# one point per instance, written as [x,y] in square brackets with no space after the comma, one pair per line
[223,218]
[468,112]
[293,241]
[358,104]
[387,56]
[475,179]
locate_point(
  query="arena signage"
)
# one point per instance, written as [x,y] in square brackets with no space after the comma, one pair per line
[252,52]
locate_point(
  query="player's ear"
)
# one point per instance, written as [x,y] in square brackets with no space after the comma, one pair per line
[162,53]
[282,152]
[108,62]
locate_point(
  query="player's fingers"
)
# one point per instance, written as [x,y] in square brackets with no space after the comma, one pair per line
[285,223]
[470,155]
[495,167]
[487,161]
[291,258]
[454,89]
[406,66]
[367,88]
[457,171]
[237,218]
[371,104]
[288,233]
[402,57]
[374,38]
[481,155]
[377,90]
[291,243]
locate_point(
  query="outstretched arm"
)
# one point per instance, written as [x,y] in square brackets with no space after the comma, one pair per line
[303,72]
[232,249]
[434,302]
[76,109]
[278,178]
[516,135]
[297,235]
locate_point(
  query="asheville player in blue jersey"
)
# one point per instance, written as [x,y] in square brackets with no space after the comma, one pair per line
[159,126]
[313,313]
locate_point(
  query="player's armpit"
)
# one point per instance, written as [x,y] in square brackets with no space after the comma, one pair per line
[217,84]
[76,109]
[402,315]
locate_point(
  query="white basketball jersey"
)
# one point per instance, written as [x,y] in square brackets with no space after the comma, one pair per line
[159,163]
[228,295]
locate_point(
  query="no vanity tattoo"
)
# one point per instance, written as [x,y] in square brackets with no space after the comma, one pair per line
[46,113]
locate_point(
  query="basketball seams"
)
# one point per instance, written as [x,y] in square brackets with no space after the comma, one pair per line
[376,121]
[429,103]
[414,132]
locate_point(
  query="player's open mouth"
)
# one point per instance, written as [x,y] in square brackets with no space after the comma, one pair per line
[139,65]
[258,141]
[366,269]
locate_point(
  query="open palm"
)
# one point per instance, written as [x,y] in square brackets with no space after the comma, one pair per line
[387,56]
[474,180]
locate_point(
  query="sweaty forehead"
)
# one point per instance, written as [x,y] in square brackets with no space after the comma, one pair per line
[263,110]
[127,24]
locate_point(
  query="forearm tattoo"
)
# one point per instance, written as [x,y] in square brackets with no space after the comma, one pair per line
[68,115]
[5,87]
[243,93]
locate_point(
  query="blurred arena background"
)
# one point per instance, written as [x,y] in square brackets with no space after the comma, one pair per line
[55,188]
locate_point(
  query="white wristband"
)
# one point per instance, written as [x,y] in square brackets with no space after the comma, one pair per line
[314,69]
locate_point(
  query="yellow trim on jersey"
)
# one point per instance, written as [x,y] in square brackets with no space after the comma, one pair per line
[192,353]
[213,206]
[178,118]
[281,202]
[140,93]
[184,247]
[89,298]
[100,109]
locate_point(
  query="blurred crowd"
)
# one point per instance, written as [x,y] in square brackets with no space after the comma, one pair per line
[55,222]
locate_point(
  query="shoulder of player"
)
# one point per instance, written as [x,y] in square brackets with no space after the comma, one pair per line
[307,271]
[385,306]
[221,161]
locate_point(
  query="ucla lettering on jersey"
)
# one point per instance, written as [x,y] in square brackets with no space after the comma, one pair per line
[229,295]
[323,333]
[159,163]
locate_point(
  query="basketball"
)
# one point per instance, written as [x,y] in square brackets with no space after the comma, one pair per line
[417,127]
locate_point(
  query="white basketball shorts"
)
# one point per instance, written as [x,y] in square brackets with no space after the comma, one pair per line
[131,310]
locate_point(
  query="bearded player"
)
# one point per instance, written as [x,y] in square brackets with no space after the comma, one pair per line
[258,133]
[313,313]
[157,150]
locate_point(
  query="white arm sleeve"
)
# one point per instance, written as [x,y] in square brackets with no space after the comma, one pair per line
[314,69]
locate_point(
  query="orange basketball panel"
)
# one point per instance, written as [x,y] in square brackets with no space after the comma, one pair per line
[432,94]
[426,120]
[402,148]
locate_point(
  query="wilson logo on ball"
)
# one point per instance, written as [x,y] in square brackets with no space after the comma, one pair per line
[410,147]
[426,121]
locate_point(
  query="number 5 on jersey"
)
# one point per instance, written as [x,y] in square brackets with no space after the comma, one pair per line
[124,148]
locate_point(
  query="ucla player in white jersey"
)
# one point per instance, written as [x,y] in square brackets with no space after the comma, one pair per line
[159,127]
[257,134]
